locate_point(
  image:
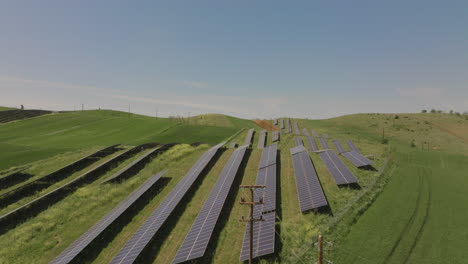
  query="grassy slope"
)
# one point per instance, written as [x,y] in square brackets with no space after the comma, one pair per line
[3,108]
[418,218]
[42,137]
[390,214]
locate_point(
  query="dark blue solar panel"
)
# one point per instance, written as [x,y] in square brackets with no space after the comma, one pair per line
[249,137]
[337,168]
[324,143]
[70,253]
[309,190]
[262,139]
[338,146]
[357,159]
[312,144]
[281,123]
[276,136]
[352,146]
[264,232]
[196,242]
[296,129]
[299,141]
[136,244]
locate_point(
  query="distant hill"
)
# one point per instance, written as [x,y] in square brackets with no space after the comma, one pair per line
[39,138]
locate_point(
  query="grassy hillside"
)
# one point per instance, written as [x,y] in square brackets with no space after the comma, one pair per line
[3,108]
[410,210]
[42,137]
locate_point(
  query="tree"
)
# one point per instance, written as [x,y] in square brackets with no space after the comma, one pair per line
[451,112]
[440,111]
[433,110]
[424,111]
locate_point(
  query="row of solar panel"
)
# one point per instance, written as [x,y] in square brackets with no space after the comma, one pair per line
[263,231]
[196,241]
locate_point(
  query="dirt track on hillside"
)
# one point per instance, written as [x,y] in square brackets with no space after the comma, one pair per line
[266,125]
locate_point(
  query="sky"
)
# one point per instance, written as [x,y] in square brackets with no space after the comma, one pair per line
[251,59]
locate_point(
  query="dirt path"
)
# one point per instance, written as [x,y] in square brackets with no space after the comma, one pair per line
[266,125]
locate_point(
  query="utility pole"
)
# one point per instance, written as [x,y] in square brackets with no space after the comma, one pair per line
[320,249]
[251,219]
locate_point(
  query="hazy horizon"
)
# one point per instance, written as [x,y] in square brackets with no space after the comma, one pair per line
[246,59]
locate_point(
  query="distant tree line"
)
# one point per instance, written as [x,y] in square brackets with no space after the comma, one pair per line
[451,112]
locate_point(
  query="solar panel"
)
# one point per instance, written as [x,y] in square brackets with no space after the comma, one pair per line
[196,241]
[281,123]
[57,194]
[357,159]
[338,146]
[262,139]
[325,136]
[249,137]
[275,122]
[324,143]
[72,251]
[39,184]
[143,235]
[312,144]
[352,146]
[305,132]
[141,160]
[337,168]
[276,136]
[296,129]
[309,190]
[299,141]
[314,133]
[263,232]
[263,237]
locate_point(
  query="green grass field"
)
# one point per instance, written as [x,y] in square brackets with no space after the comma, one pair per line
[2,108]
[410,210]
[46,136]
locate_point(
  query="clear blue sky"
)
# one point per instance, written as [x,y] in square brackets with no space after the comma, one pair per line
[252,59]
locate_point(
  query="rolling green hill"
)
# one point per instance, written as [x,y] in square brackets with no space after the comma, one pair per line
[3,108]
[42,137]
[410,209]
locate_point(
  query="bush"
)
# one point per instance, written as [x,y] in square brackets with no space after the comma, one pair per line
[424,111]
[396,117]
[384,141]
[433,110]
[413,143]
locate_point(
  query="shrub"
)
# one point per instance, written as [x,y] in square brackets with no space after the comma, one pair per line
[413,143]
[384,141]
[424,111]
[433,110]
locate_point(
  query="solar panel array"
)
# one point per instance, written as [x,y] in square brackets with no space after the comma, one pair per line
[296,129]
[133,164]
[264,231]
[338,146]
[305,132]
[337,168]
[232,145]
[57,193]
[312,144]
[281,123]
[72,251]
[324,143]
[288,126]
[309,190]
[143,235]
[262,139]
[352,146]
[314,133]
[276,136]
[196,241]
[41,183]
[357,159]
[299,141]
[275,122]
[249,137]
